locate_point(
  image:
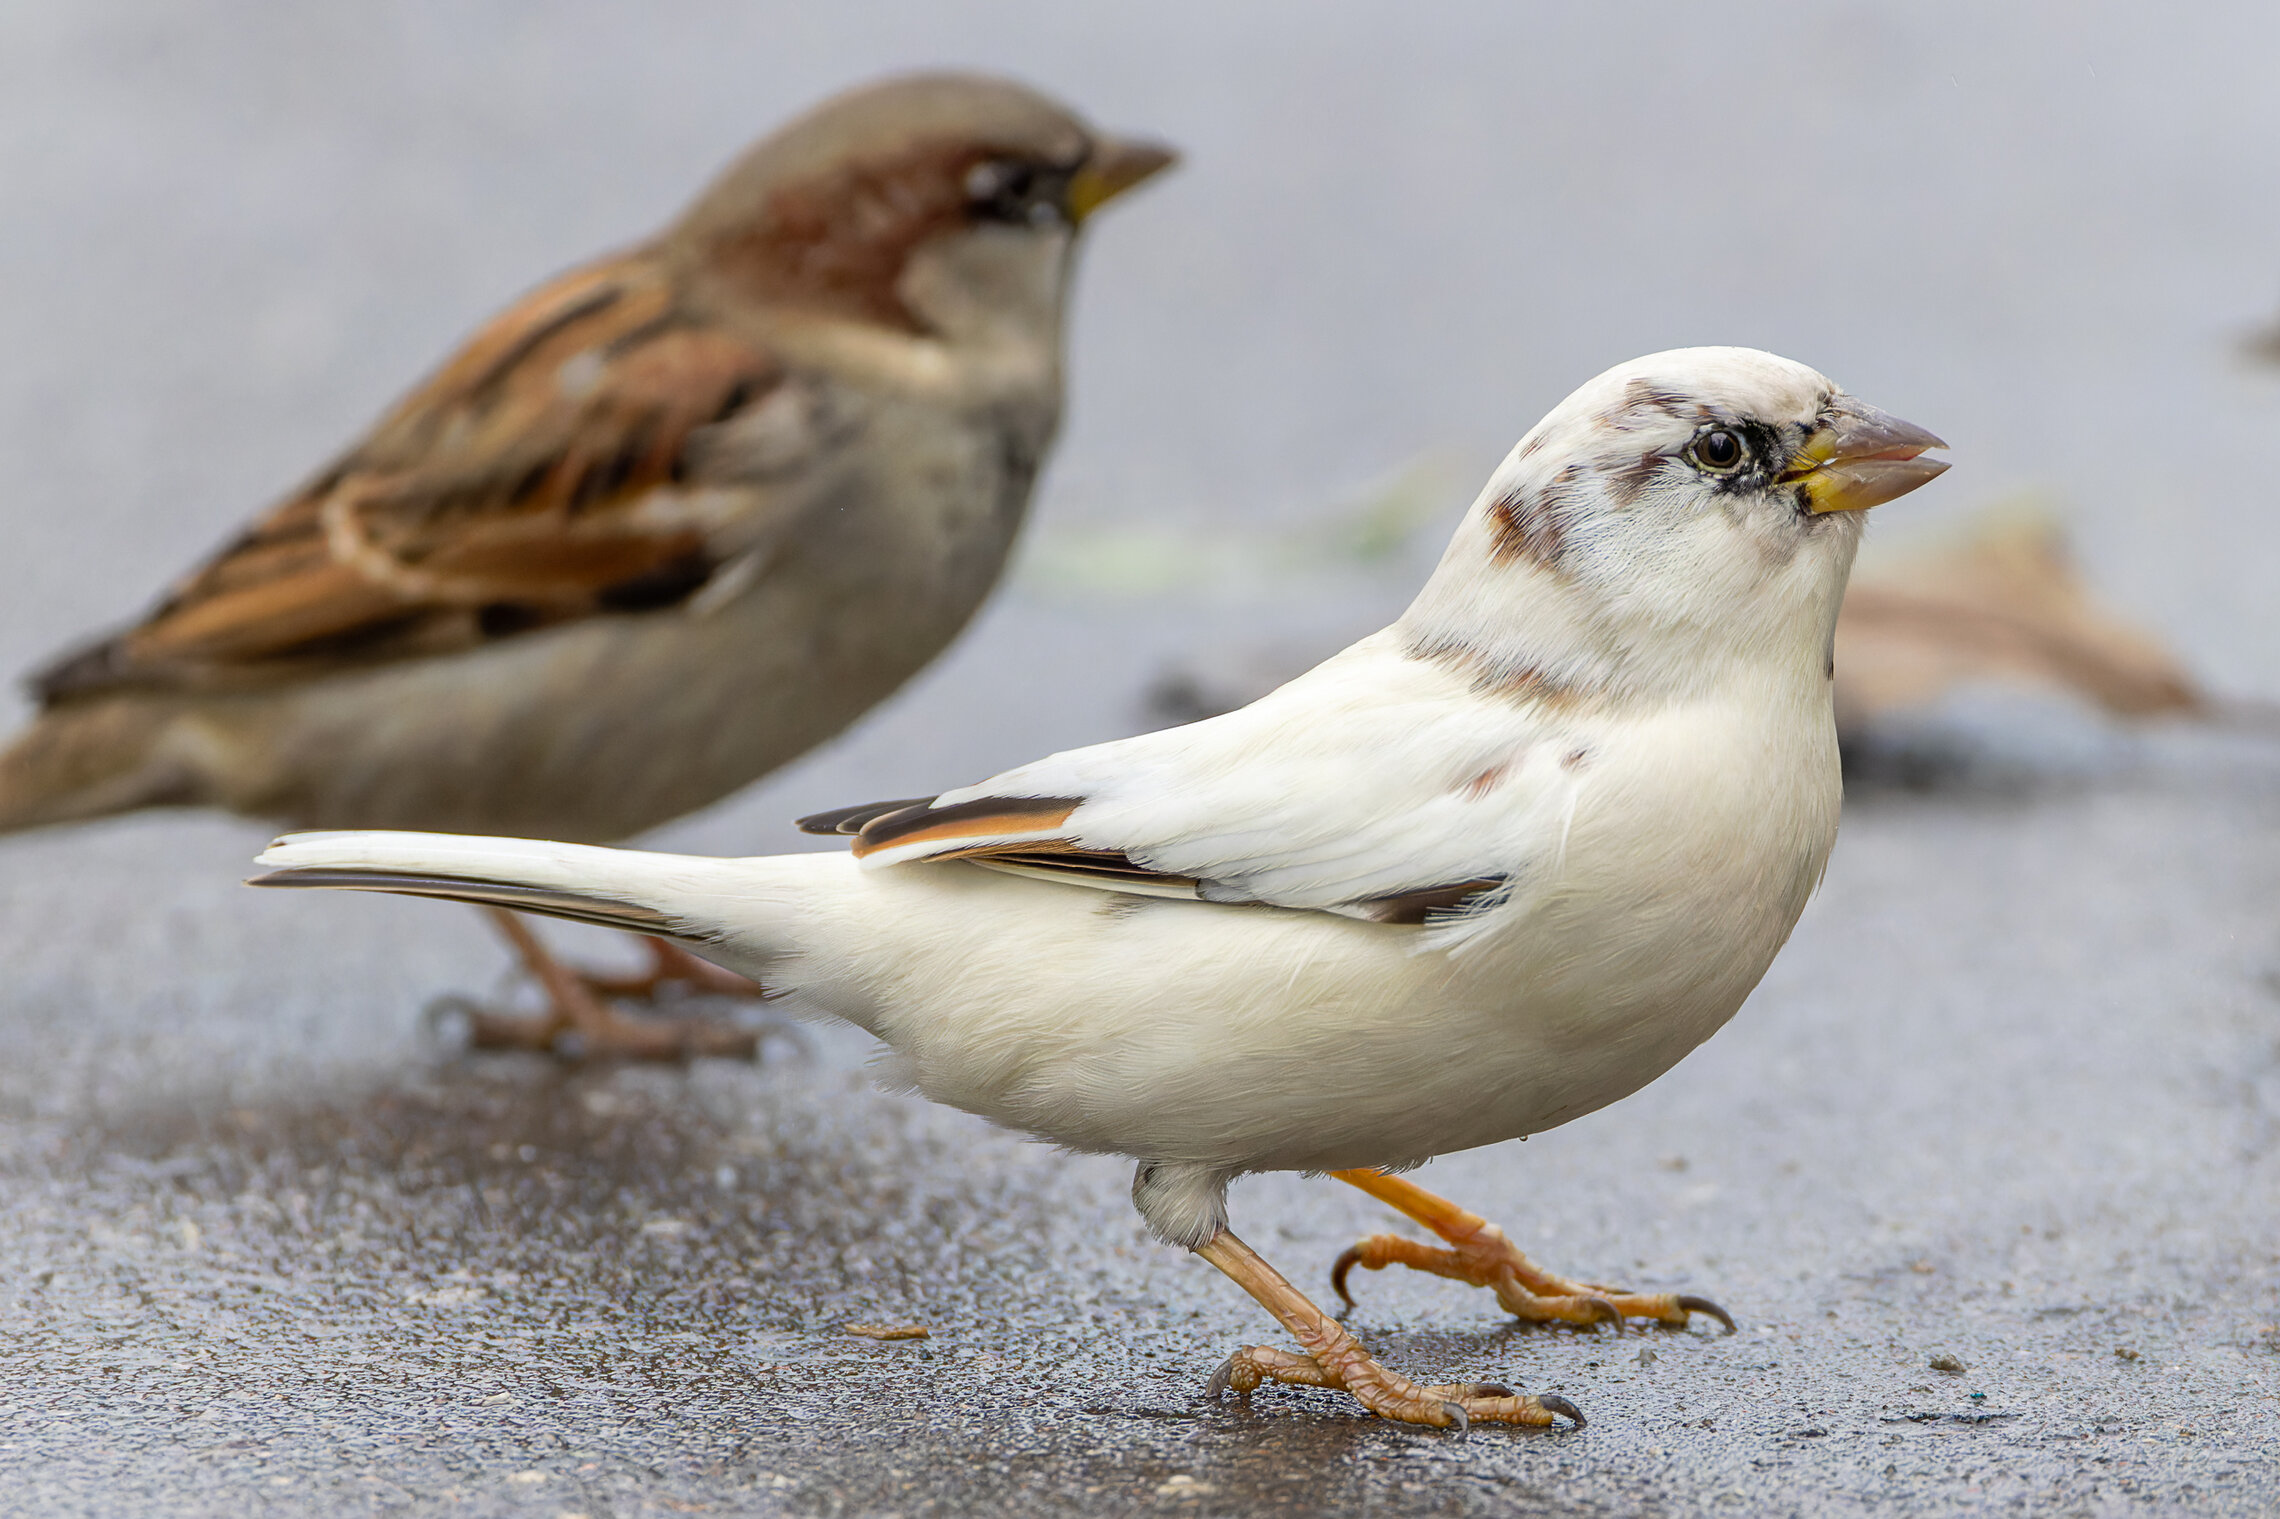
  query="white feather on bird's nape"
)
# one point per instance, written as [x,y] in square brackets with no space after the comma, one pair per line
[1475,876]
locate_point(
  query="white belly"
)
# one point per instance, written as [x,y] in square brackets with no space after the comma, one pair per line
[1253,1038]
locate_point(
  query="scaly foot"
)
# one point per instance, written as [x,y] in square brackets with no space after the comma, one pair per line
[1479,1254]
[1333,1358]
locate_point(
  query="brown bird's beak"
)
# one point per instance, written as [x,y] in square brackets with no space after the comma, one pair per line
[1861,457]
[1115,166]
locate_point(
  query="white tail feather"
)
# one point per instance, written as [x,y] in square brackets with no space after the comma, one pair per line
[677,896]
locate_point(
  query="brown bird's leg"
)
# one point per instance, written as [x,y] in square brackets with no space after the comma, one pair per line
[1333,1359]
[573,1007]
[1482,1256]
[670,964]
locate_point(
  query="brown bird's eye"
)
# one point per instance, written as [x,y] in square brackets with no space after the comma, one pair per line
[1718,450]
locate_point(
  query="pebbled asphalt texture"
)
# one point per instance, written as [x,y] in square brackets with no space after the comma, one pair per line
[1996,1111]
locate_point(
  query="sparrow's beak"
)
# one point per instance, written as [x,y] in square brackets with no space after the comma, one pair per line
[1861,457]
[1114,167]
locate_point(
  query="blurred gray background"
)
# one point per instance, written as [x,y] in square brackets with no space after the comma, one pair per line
[234,233]
[230,234]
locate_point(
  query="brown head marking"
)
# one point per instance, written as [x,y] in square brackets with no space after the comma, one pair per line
[1645,404]
[839,240]
[1531,521]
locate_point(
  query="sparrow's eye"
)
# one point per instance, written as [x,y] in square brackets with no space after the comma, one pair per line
[1718,451]
[1006,190]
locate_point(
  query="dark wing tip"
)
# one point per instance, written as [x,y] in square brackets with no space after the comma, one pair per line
[852,819]
[1416,907]
[75,672]
[982,817]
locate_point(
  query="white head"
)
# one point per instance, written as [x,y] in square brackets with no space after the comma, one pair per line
[1675,517]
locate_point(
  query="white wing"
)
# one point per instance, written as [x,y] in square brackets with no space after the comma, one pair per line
[1377,785]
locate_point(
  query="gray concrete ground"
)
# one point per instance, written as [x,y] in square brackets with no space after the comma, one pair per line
[2012,1096]
[1999,1102]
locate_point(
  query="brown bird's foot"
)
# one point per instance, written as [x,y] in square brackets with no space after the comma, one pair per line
[1479,1254]
[1333,1358]
[579,1021]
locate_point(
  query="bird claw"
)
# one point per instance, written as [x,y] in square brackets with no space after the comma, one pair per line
[1552,1402]
[1347,1260]
[1480,1254]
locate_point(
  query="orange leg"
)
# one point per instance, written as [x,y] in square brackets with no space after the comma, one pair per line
[1481,1255]
[579,1018]
[1333,1359]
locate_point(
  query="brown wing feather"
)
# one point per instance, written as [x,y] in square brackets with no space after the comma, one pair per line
[978,830]
[980,820]
[852,819]
[1002,831]
[531,480]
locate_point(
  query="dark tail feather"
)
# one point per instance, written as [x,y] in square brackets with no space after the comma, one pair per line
[575,907]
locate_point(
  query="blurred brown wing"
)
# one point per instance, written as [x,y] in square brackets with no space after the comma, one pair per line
[543,474]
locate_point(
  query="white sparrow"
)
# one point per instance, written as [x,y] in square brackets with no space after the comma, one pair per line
[666,523]
[1481,873]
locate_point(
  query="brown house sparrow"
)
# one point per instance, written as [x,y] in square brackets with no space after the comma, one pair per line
[669,521]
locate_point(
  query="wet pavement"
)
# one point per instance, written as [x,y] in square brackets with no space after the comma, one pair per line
[2010,1102]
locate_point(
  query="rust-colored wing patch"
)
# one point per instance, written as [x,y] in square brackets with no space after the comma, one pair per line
[1001,832]
[986,823]
[541,475]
